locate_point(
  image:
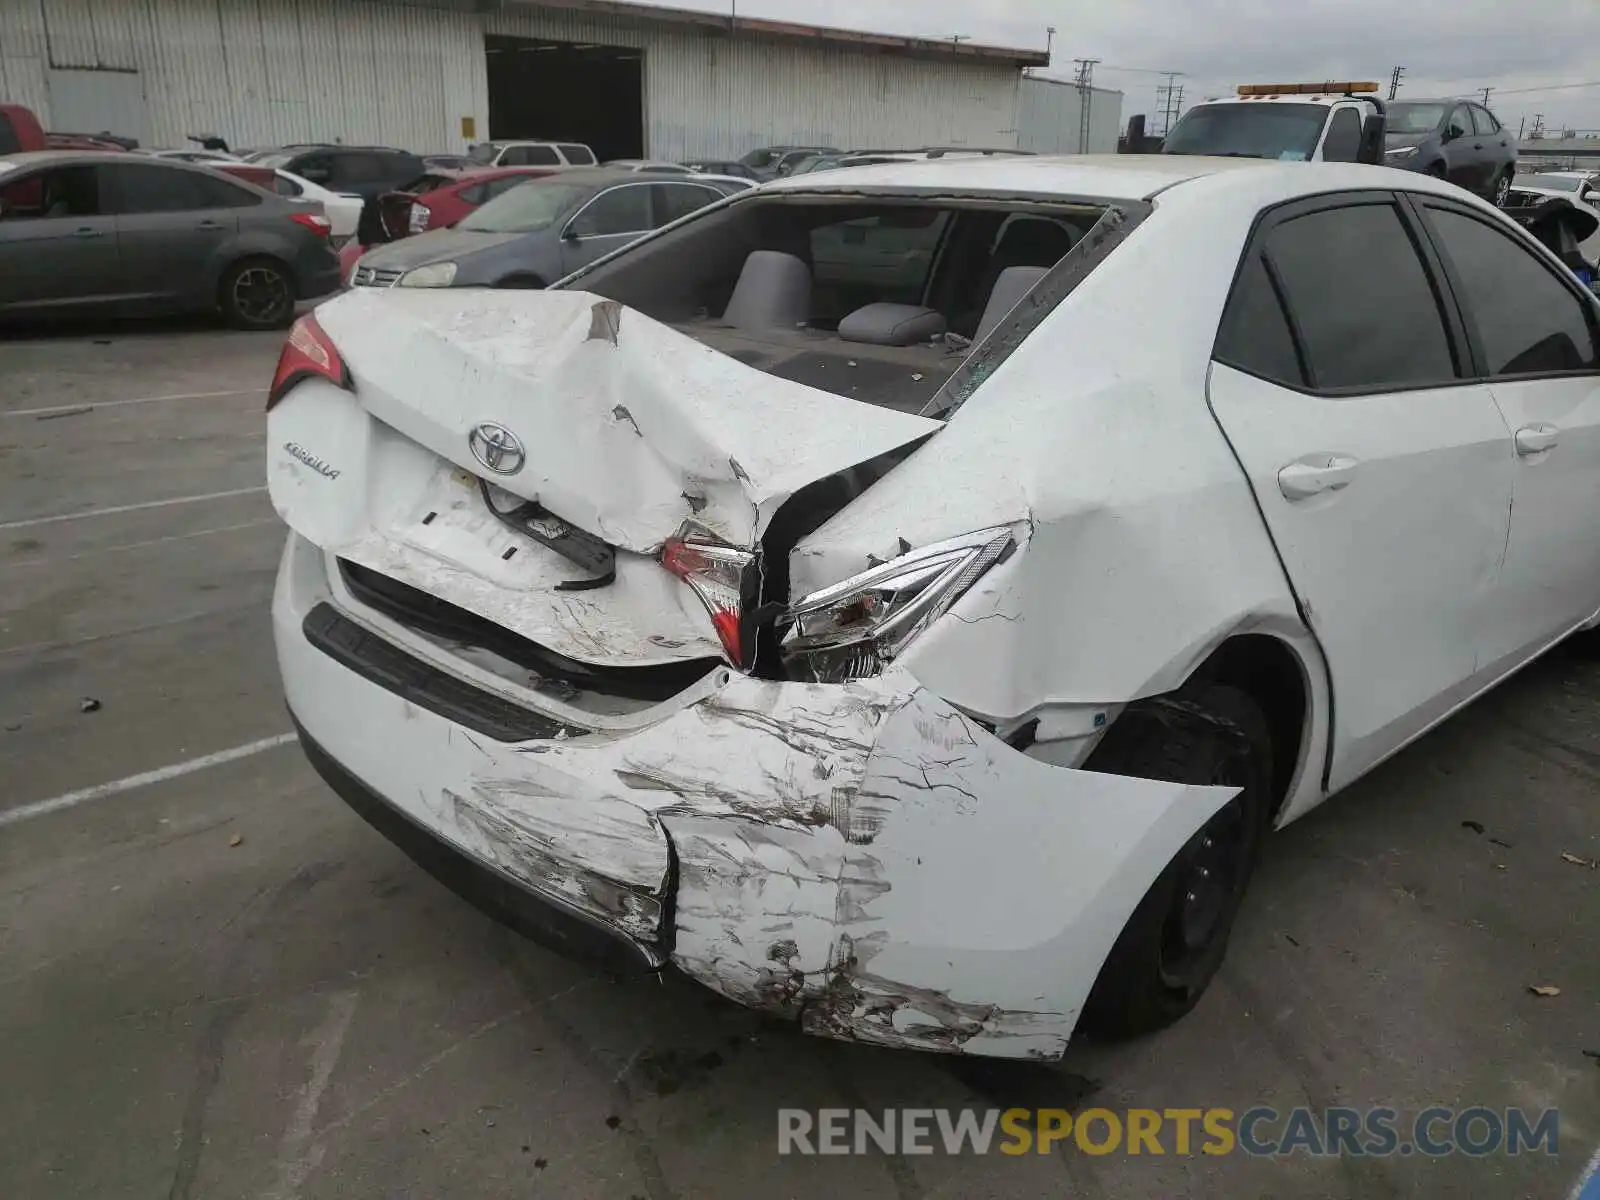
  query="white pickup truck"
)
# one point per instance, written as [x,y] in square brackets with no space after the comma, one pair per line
[1289,122]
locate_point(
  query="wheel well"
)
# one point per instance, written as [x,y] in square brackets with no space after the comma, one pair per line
[1270,673]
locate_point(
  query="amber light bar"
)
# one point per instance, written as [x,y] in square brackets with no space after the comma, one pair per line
[1303,89]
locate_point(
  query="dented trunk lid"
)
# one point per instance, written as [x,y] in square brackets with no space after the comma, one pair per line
[628,429]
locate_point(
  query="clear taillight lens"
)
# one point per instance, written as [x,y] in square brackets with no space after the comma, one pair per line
[307,352]
[850,630]
[728,582]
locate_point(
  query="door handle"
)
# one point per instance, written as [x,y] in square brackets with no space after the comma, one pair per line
[1316,475]
[1536,439]
[208,225]
[87,232]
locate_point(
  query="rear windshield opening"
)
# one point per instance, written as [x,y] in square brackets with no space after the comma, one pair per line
[875,299]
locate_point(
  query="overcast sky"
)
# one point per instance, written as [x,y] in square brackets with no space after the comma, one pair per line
[1448,47]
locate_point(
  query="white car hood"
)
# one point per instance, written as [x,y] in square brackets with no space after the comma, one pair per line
[630,428]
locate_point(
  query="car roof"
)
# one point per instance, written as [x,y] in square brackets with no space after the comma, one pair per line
[1113,177]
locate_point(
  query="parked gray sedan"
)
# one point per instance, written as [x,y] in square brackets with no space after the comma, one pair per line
[124,234]
[538,231]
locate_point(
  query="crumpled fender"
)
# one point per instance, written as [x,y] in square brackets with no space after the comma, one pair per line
[959,896]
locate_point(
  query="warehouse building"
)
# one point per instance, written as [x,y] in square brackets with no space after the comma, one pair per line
[436,75]
[1057,116]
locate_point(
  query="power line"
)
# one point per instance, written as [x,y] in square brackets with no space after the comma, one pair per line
[1555,87]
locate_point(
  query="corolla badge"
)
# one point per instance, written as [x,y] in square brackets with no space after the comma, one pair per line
[497,448]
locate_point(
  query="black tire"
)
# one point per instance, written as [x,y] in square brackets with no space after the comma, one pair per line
[1174,943]
[1436,170]
[257,293]
[532,282]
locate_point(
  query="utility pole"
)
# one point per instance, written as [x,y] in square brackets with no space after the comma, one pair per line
[1486,92]
[1169,98]
[1394,80]
[1085,82]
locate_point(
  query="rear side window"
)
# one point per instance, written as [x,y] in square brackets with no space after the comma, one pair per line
[580,156]
[152,189]
[504,184]
[1528,322]
[1343,143]
[1255,335]
[476,194]
[1363,305]
[531,156]
[285,186]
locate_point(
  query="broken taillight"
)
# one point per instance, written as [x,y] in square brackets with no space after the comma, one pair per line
[728,582]
[307,352]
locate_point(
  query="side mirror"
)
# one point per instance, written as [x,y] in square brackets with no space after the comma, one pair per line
[1372,128]
[569,234]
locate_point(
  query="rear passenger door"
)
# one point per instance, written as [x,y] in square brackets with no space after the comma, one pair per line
[1380,467]
[1464,151]
[174,225]
[614,218]
[1533,332]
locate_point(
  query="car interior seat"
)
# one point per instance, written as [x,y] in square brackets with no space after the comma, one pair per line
[773,292]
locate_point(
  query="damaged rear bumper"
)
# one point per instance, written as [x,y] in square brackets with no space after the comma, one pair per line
[861,858]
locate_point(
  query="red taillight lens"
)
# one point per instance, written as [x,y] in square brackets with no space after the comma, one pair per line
[307,352]
[316,222]
[727,582]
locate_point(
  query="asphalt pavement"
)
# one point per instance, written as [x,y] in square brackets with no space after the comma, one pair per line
[215,981]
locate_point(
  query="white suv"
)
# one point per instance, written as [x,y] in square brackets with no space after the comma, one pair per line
[531,154]
[903,601]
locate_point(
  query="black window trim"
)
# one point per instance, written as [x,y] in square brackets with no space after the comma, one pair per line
[1432,269]
[1419,203]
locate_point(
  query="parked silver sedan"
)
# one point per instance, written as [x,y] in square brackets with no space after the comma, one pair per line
[538,231]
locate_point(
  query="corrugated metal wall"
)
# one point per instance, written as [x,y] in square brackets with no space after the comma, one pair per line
[1049,114]
[405,73]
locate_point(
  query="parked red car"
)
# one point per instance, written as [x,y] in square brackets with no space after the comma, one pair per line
[441,198]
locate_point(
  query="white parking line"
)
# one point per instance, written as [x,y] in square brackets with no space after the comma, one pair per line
[47,560]
[100,791]
[91,406]
[128,508]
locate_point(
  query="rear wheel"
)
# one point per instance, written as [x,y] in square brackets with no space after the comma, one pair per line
[1174,943]
[257,293]
[1502,189]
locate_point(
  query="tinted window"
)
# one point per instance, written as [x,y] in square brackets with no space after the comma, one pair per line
[578,155]
[152,189]
[674,200]
[476,194]
[1483,120]
[1343,143]
[531,156]
[1255,334]
[1356,288]
[1460,122]
[318,168]
[1527,320]
[285,186]
[1413,118]
[621,210]
[63,192]
[358,168]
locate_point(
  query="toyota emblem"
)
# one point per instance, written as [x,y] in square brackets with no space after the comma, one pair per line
[497,448]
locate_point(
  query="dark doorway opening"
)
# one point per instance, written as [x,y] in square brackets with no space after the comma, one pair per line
[567,92]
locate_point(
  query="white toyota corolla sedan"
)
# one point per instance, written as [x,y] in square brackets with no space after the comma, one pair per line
[903,599]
